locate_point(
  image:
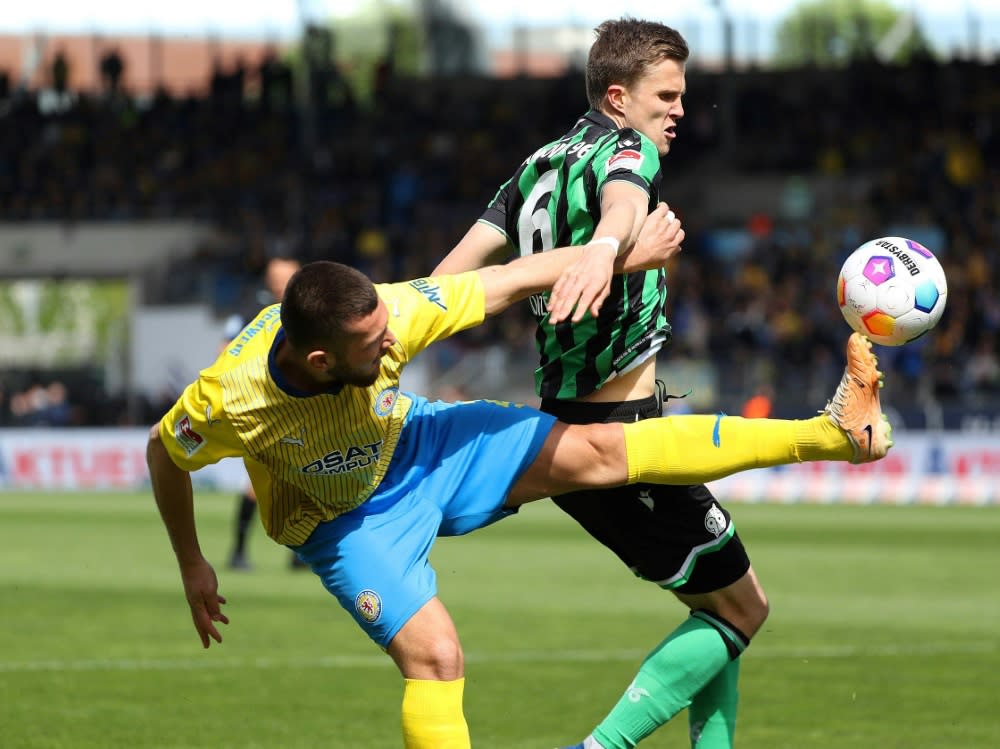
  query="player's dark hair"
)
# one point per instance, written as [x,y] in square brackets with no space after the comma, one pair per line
[624,49]
[320,299]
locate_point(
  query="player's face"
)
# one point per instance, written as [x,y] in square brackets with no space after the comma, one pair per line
[360,360]
[652,105]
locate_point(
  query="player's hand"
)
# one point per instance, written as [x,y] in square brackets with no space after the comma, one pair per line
[583,285]
[202,591]
[659,240]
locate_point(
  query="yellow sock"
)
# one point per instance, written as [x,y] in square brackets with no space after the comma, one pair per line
[432,715]
[695,449]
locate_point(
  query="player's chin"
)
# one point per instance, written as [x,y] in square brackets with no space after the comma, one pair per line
[360,379]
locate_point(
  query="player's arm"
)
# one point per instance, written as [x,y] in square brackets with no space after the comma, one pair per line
[658,239]
[194,433]
[175,501]
[482,245]
[586,284]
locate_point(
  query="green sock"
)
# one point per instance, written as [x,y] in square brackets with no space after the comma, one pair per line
[676,670]
[712,715]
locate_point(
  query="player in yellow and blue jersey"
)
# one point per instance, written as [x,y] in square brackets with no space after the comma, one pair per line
[359,478]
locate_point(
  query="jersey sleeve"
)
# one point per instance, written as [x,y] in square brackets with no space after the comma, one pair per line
[631,157]
[195,430]
[428,309]
[496,212]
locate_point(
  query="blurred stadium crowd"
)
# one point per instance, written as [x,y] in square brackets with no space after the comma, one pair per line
[392,185]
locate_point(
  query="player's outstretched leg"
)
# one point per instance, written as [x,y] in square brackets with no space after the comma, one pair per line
[855,406]
[693,449]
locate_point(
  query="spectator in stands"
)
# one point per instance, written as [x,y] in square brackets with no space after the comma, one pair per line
[60,73]
[112,68]
[982,373]
[41,405]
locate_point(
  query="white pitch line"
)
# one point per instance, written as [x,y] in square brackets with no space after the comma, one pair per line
[378,660]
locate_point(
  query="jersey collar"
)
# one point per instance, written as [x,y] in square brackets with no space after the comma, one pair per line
[282,382]
[600,119]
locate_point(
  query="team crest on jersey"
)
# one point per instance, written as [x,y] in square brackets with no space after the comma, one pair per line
[189,440]
[629,159]
[715,521]
[369,605]
[385,401]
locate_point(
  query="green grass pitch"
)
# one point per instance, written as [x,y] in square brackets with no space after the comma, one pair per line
[883,633]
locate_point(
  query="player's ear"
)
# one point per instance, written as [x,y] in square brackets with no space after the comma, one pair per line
[615,97]
[321,360]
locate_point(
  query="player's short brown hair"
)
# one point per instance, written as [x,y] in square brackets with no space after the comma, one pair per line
[624,49]
[320,299]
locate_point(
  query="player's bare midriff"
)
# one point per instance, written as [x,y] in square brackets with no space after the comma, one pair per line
[633,385]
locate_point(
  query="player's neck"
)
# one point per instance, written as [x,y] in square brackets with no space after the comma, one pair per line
[615,117]
[295,372]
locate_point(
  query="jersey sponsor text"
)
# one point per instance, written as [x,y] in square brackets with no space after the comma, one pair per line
[430,290]
[337,461]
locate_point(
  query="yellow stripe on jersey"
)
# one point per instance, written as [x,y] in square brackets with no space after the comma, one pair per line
[313,458]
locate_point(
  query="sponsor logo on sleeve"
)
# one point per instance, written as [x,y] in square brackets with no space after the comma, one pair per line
[629,160]
[267,320]
[429,288]
[189,440]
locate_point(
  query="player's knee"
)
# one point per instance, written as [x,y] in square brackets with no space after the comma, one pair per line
[747,605]
[443,659]
[757,611]
[745,608]
[749,612]
[605,450]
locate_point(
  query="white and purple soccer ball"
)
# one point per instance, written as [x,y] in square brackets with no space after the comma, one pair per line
[892,290]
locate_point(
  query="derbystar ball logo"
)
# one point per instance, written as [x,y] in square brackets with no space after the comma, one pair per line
[189,440]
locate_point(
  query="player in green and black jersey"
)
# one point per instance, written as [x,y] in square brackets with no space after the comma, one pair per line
[594,187]
[554,200]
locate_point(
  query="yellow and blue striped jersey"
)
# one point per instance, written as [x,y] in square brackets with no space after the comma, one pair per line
[312,457]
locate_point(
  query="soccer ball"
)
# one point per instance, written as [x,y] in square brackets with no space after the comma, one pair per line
[892,290]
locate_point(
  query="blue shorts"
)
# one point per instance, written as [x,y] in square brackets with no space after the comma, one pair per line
[450,474]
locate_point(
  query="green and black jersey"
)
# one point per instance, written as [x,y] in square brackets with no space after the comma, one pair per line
[554,200]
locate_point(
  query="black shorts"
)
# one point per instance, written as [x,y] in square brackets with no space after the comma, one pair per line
[678,537]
